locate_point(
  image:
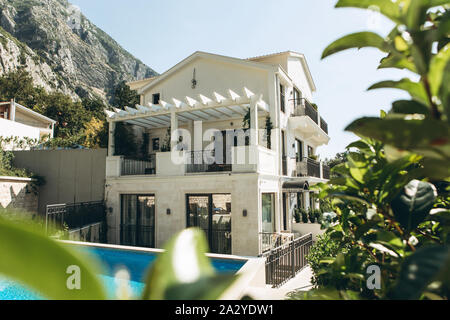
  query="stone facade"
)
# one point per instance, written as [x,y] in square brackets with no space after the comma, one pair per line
[18,193]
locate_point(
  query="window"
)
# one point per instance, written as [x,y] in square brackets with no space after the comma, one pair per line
[299,150]
[268,212]
[310,151]
[156,98]
[155,144]
[282,98]
[297,97]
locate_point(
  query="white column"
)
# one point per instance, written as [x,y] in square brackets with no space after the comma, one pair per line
[307,200]
[321,170]
[111,143]
[174,129]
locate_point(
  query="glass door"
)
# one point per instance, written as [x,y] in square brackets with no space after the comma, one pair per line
[212,214]
[138,221]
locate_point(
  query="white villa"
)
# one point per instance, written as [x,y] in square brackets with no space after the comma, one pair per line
[240,189]
[21,122]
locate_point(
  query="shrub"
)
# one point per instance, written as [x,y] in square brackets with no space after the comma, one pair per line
[297,216]
[304,214]
[311,215]
[318,215]
[324,248]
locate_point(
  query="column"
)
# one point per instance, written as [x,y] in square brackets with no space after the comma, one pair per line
[111,143]
[173,129]
[253,123]
[12,111]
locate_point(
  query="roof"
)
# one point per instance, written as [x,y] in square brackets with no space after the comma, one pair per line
[302,58]
[199,54]
[30,112]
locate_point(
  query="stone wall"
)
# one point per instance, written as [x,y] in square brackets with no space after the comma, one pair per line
[18,193]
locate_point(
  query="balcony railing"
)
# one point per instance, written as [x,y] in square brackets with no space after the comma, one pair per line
[311,168]
[137,167]
[324,125]
[307,110]
[205,161]
[326,172]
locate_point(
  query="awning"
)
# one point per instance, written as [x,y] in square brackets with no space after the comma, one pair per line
[295,186]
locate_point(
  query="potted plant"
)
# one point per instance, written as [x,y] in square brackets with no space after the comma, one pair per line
[311,215]
[297,216]
[318,215]
[304,215]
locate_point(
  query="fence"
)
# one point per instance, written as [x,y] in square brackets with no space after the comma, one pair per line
[136,167]
[285,262]
[78,217]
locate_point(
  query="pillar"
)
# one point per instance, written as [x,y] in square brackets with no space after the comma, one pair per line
[111,142]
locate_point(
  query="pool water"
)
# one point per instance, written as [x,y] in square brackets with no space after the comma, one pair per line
[112,260]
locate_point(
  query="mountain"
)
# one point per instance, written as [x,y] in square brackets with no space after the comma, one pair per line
[63,50]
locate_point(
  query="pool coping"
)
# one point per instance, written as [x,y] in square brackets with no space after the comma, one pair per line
[251,274]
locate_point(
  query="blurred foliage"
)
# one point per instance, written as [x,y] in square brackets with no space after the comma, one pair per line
[182,272]
[391,192]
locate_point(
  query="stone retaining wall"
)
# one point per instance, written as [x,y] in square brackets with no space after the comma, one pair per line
[18,193]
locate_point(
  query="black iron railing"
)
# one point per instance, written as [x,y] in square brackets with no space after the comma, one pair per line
[326,172]
[324,125]
[313,168]
[206,161]
[137,167]
[285,262]
[76,216]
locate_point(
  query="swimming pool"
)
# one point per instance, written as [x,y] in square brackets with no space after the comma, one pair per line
[113,259]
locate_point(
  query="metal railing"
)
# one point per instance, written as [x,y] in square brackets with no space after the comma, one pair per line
[269,241]
[205,161]
[285,262]
[306,109]
[324,125]
[137,167]
[326,172]
[76,216]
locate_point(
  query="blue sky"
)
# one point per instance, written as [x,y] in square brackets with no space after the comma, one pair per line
[163,32]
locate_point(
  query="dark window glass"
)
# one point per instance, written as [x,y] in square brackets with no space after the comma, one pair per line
[155,143]
[282,98]
[156,98]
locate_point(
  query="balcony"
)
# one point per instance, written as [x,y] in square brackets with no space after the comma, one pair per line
[311,168]
[138,167]
[307,120]
[244,159]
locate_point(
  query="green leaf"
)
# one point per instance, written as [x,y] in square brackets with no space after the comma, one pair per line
[185,265]
[410,107]
[415,89]
[417,12]
[356,40]
[426,137]
[412,206]
[42,264]
[398,62]
[419,270]
[386,7]
[437,69]
[206,288]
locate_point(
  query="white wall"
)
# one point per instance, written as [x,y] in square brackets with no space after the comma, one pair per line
[14,129]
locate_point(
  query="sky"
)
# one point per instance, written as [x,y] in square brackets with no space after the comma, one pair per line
[163,32]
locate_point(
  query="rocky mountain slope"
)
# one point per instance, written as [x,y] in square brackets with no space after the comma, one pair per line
[62,49]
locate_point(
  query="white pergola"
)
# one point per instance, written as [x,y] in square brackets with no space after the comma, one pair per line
[171,114]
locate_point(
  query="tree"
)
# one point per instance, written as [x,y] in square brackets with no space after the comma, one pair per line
[390,213]
[124,96]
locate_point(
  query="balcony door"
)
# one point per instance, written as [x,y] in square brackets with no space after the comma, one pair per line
[212,214]
[138,220]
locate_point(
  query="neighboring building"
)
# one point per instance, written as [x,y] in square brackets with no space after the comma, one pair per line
[246,195]
[21,122]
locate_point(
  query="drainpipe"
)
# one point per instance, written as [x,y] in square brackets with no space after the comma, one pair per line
[12,111]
